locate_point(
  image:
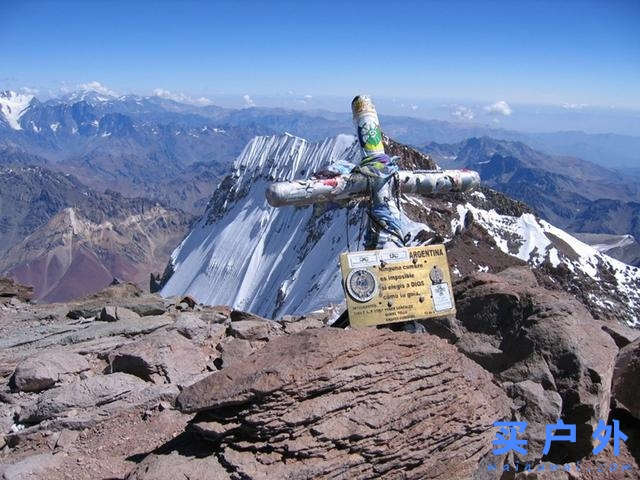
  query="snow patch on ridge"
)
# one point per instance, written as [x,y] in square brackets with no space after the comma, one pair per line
[535,241]
[12,106]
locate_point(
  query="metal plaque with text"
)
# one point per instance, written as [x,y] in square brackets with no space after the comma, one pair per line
[397,285]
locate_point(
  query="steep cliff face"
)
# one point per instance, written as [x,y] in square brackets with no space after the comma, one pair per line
[283,261]
[271,261]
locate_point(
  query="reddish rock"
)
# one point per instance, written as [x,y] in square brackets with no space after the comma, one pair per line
[520,331]
[9,288]
[626,378]
[164,357]
[174,466]
[45,369]
[329,403]
[254,329]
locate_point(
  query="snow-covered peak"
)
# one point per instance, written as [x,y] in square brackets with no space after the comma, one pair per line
[286,156]
[92,92]
[615,285]
[272,261]
[12,106]
[278,261]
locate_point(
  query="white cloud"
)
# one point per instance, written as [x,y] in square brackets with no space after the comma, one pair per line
[30,91]
[203,101]
[308,97]
[574,106]
[97,87]
[180,97]
[175,96]
[414,107]
[463,112]
[501,108]
[248,101]
[161,92]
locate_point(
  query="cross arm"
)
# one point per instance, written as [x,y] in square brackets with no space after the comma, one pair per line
[355,185]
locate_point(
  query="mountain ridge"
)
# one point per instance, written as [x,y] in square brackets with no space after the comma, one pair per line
[607,149]
[53,227]
[571,193]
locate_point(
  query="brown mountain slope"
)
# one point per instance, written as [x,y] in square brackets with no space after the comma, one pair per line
[72,256]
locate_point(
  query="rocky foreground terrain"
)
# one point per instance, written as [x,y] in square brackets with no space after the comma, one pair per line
[128,385]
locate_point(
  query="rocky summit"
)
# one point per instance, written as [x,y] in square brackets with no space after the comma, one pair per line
[129,385]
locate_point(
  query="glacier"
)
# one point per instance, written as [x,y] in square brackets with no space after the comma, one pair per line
[269,261]
[12,106]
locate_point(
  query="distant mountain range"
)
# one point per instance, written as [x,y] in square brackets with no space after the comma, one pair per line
[574,194]
[67,240]
[73,125]
[137,146]
[623,247]
[76,171]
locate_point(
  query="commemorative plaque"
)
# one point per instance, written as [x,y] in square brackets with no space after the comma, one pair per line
[397,285]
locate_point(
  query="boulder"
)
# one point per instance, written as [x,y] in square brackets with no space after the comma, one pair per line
[164,357]
[232,350]
[9,288]
[626,378]
[215,314]
[65,439]
[183,306]
[82,394]
[126,328]
[300,324]
[238,315]
[190,301]
[621,334]
[444,327]
[191,326]
[55,333]
[112,314]
[254,329]
[520,331]
[173,466]
[330,403]
[538,407]
[107,314]
[123,295]
[43,370]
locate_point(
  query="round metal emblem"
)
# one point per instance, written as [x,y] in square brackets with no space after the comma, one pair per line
[362,285]
[436,275]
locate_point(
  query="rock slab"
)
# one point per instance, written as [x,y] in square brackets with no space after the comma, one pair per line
[43,370]
[330,403]
[626,378]
[164,357]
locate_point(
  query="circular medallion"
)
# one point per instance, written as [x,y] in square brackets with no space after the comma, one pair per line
[436,275]
[362,285]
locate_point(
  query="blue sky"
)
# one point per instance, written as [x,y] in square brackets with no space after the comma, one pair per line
[530,52]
